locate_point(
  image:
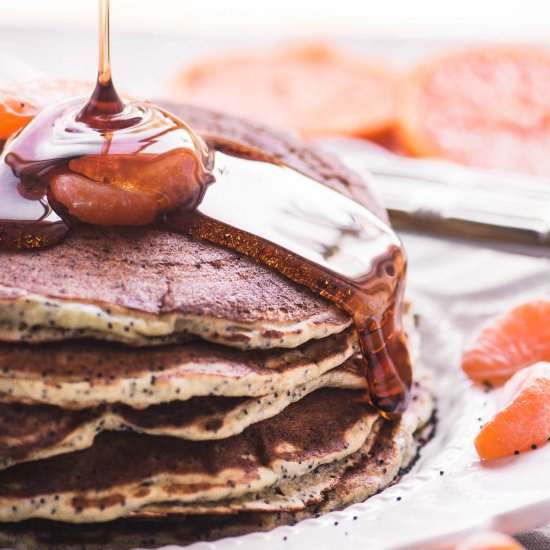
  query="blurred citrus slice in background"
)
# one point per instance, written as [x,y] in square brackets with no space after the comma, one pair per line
[312,89]
[487,107]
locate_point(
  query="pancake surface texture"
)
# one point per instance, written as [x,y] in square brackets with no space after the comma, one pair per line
[379,462]
[146,286]
[84,374]
[100,484]
[32,432]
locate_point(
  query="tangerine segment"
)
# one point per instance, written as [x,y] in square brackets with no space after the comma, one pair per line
[102,204]
[489,540]
[20,102]
[509,343]
[485,107]
[173,178]
[524,423]
[313,89]
[129,189]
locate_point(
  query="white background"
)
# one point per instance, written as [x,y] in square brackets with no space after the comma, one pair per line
[511,18]
[152,39]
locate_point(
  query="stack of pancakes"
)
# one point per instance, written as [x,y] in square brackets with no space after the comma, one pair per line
[153,377]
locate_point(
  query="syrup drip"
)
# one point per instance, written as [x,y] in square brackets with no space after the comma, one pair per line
[113,162]
[321,239]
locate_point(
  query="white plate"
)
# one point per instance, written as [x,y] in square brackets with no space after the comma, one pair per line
[454,288]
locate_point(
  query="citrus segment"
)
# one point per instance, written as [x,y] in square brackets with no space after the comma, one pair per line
[524,422]
[20,102]
[509,343]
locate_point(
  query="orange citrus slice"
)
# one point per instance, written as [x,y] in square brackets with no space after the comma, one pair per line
[524,422]
[20,102]
[315,90]
[509,343]
[489,540]
[487,107]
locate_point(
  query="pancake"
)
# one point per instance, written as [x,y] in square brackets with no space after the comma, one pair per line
[352,479]
[292,495]
[100,483]
[158,293]
[380,462]
[162,288]
[33,432]
[146,286]
[84,374]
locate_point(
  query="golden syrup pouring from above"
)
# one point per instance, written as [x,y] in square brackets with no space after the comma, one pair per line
[111,162]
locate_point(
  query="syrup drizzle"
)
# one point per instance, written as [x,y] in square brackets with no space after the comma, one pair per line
[114,162]
[109,162]
[323,240]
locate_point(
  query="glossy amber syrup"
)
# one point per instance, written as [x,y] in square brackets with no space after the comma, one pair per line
[321,239]
[111,162]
